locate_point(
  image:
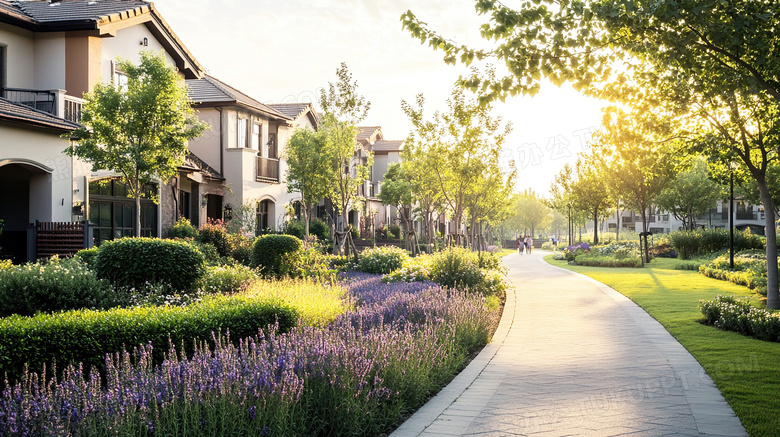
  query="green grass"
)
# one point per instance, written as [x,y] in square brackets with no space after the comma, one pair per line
[747,371]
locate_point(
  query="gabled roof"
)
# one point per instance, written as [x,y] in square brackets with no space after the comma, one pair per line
[386,146]
[209,91]
[297,110]
[368,134]
[102,17]
[16,113]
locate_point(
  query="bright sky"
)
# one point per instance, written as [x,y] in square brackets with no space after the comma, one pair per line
[284,51]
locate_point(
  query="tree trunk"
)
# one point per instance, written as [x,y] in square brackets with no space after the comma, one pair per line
[772,293]
[306,215]
[617,229]
[595,227]
[138,212]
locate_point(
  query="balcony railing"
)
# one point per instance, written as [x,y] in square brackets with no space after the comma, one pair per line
[749,215]
[41,100]
[267,170]
[73,109]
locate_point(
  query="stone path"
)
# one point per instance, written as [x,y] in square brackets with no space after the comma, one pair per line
[572,357]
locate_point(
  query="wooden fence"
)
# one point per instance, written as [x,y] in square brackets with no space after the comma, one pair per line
[46,239]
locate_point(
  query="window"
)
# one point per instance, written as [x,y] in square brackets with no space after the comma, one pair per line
[118,77]
[257,135]
[113,213]
[184,204]
[262,215]
[242,127]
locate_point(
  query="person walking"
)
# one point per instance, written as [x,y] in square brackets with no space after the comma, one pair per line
[529,244]
[519,247]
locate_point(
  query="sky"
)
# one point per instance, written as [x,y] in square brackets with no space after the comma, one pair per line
[285,51]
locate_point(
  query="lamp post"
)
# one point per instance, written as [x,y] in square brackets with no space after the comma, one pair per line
[731,215]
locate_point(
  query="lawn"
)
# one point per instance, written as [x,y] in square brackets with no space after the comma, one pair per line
[747,371]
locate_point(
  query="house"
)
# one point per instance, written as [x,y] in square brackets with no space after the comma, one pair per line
[245,145]
[51,53]
[745,216]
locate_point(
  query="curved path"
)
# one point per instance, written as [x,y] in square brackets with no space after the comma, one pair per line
[573,357]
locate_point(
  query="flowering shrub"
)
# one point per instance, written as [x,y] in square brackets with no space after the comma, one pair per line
[217,235]
[357,377]
[413,270]
[619,250]
[182,229]
[382,259]
[571,252]
[733,314]
[594,260]
[53,286]
[749,269]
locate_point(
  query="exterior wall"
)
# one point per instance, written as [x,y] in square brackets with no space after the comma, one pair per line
[51,194]
[50,61]
[207,146]
[19,48]
[127,45]
[82,68]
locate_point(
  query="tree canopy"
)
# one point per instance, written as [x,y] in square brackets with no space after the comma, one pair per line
[141,132]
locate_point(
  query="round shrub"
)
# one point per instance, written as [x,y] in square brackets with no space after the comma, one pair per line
[320,229]
[454,268]
[382,260]
[132,262]
[216,235]
[182,229]
[242,250]
[52,286]
[296,228]
[87,256]
[277,255]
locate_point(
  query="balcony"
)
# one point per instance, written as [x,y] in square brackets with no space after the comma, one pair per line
[267,170]
[54,102]
[41,100]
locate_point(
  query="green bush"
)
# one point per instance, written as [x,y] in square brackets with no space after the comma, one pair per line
[132,262]
[52,286]
[749,269]
[216,235]
[87,256]
[701,242]
[393,232]
[320,229]
[460,268]
[227,279]
[209,252]
[595,260]
[296,228]
[547,245]
[277,255]
[87,336]
[733,314]
[242,250]
[182,229]
[382,260]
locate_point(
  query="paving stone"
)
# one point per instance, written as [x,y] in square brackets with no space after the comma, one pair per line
[574,357]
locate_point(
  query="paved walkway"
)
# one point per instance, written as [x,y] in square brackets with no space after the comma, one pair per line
[572,357]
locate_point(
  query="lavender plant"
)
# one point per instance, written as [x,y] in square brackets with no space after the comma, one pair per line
[354,377]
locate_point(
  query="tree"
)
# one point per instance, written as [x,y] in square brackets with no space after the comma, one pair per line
[530,213]
[721,53]
[343,108]
[459,143]
[426,190]
[397,191]
[140,132]
[590,190]
[690,194]
[308,170]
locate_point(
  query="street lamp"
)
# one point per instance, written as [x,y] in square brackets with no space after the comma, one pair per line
[732,167]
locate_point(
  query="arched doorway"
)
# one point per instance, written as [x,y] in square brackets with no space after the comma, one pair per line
[266,213]
[25,196]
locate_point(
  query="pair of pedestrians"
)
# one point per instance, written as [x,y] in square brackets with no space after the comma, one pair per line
[525,244]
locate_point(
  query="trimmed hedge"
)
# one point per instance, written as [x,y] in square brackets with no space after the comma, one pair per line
[607,261]
[86,336]
[277,255]
[701,242]
[132,262]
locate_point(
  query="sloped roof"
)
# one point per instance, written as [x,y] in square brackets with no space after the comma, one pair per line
[104,17]
[366,133]
[296,110]
[16,113]
[193,162]
[209,91]
[386,146]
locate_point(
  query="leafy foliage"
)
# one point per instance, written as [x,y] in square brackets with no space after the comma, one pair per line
[382,260]
[140,132]
[132,262]
[277,255]
[52,286]
[734,314]
[215,234]
[84,336]
[702,242]
[182,229]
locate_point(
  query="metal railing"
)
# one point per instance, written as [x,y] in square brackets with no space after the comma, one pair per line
[266,169]
[73,109]
[41,100]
